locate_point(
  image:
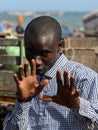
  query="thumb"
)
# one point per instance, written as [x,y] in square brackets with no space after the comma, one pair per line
[42,84]
[77,92]
[46,98]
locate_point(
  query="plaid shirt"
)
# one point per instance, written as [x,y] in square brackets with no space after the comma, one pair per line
[39,115]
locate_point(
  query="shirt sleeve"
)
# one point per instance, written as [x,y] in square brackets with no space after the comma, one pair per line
[88,110]
[18,119]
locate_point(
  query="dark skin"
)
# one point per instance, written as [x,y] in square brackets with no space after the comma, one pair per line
[44,52]
[66,95]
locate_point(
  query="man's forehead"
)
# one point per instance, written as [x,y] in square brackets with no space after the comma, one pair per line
[42,39]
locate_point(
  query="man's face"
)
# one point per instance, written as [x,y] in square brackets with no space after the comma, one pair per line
[45,51]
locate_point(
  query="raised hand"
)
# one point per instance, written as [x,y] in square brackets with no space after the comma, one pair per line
[27,84]
[67,95]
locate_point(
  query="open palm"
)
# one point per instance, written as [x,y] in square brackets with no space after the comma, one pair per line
[67,95]
[27,84]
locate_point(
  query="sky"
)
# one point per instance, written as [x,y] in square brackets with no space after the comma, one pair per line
[48,5]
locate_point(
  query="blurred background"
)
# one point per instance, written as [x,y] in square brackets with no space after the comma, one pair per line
[68,12]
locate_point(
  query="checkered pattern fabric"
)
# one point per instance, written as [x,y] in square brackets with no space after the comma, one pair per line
[39,115]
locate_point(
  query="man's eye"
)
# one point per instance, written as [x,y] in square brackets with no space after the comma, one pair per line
[45,54]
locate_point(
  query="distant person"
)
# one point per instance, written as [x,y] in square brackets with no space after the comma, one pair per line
[78,32]
[19,28]
[1,27]
[64,31]
[58,94]
[8,26]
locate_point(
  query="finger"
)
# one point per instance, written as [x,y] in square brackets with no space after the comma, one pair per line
[42,85]
[33,67]
[59,79]
[72,83]
[45,98]
[20,72]
[16,78]
[77,92]
[66,79]
[26,69]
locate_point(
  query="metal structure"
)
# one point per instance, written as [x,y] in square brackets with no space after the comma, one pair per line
[8,66]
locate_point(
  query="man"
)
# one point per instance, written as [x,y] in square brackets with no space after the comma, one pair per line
[58,94]
[19,29]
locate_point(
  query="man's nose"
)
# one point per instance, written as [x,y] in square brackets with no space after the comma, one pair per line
[38,60]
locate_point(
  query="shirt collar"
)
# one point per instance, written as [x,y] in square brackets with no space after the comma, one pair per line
[57,66]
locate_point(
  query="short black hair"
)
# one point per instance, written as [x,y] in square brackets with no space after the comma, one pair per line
[42,25]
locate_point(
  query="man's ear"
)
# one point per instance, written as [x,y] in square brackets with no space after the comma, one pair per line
[60,45]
